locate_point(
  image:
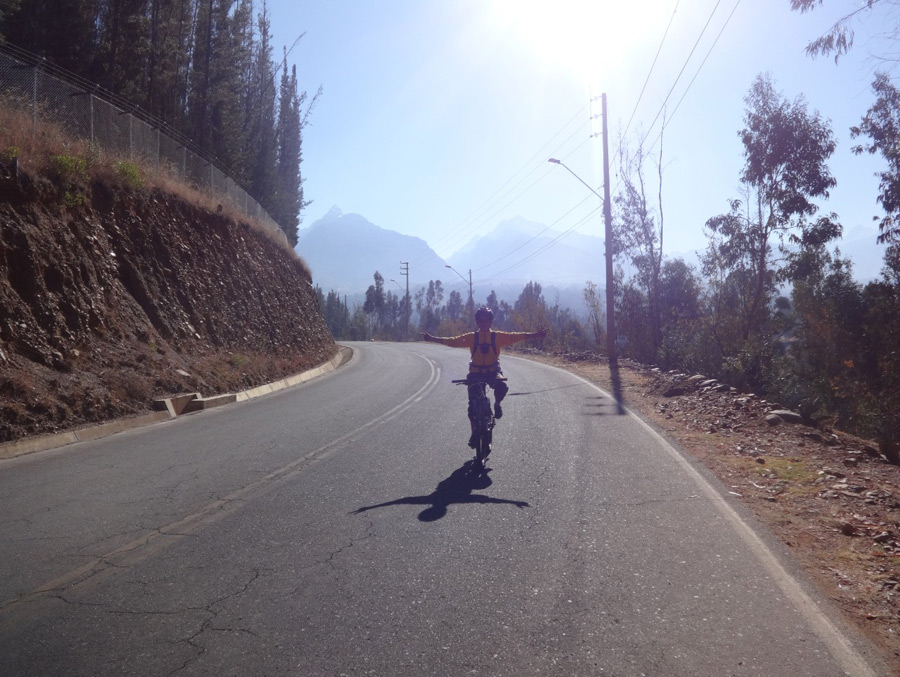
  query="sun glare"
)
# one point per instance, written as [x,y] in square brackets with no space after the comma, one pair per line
[583,36]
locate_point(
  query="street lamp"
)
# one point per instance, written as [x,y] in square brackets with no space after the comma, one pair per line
[607,215]
[396,283]
[471,304]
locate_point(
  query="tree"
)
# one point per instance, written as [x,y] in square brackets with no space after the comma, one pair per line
[680,294]
[817,370]
[880,358]
[837,40]
[64,31]
[881,124]
[595,312]
[454,305]
[530,309]
[335,312]
[7,7]
[428,305]
[639,233]
[122,59]
[289,192]
[171,28]
[374,305]
[785,150]
[501,309]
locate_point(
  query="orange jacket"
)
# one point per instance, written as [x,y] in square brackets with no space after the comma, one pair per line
[487,353]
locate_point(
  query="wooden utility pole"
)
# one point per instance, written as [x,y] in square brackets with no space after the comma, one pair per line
[404,270]
[607,218]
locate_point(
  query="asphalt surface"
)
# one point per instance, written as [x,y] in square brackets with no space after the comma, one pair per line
[335,528]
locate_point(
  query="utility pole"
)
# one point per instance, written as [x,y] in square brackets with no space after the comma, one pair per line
[607,218]
[405,272]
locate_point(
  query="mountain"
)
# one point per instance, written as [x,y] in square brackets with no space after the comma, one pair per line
[343,251]
[518,251]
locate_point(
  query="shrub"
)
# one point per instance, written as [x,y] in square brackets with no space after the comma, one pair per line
[130,173]
[68,167]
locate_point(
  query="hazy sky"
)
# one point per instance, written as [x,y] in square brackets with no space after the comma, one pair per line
[437,116]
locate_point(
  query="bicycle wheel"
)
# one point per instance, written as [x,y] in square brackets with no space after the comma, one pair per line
[483,448]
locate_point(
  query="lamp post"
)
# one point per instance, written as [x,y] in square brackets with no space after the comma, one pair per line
[470,306]
[607,218]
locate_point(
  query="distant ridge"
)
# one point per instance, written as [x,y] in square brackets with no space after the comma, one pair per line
[344,251]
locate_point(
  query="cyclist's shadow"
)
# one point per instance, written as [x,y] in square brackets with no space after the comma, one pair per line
[457,488]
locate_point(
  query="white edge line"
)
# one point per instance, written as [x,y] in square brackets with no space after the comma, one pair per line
[838,644]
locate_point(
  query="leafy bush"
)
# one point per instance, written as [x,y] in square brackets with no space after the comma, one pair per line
[130,173]
[68,167]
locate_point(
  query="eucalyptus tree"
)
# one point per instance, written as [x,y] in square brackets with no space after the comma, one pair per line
[881,124]
[530,311]
[639,234]
[429,305]
[838,40]
[786,148]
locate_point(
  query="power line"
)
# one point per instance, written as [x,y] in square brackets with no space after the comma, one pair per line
[532,239]
[545,247]
[652,66]
[461,227]
[492,202]
[686,61]
[703,63]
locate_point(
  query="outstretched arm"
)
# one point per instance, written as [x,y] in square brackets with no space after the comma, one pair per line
[429,338]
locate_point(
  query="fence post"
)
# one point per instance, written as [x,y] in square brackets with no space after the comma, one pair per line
[34,92]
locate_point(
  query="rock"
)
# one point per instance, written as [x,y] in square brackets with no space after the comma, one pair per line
[774,419]
[847,529]
[787,416]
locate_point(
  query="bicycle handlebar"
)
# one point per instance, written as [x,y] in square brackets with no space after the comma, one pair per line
[460,381]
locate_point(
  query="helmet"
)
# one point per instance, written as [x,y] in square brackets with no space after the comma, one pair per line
[484,312]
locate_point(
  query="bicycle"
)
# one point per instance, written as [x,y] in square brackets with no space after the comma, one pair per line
[482,416]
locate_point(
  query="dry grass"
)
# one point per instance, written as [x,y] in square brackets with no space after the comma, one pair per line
[37,147]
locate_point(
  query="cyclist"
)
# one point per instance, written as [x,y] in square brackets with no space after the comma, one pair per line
[485,346]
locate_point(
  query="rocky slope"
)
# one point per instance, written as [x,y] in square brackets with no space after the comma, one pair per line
[112,296]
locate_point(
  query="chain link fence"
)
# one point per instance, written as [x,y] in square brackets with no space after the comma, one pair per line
[103,119]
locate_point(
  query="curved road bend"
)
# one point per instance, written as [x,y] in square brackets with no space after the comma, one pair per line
[334,529]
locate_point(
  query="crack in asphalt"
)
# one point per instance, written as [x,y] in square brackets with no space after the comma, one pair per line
[195,640]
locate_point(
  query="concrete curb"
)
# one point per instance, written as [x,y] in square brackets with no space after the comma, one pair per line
[170,408]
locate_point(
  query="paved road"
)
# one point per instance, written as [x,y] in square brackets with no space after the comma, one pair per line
[333,529]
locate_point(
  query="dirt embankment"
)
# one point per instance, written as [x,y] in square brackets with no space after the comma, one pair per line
[111,297]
